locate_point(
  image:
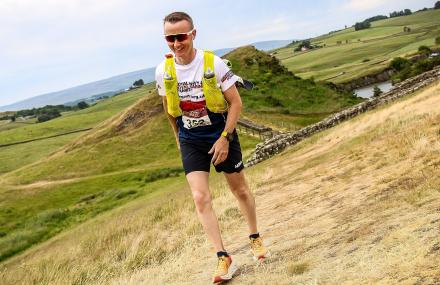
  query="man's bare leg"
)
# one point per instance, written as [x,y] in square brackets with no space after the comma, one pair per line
[246,200]
[198,182]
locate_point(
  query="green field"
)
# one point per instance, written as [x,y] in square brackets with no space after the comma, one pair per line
[36,214]
[363,52]
[16,156]
[7,125]
[74,120]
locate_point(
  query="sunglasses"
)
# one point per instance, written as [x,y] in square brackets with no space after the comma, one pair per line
[179,37]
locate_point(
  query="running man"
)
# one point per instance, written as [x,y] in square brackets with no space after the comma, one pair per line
[203,106]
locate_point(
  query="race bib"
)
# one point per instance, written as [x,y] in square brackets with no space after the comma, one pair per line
[195,118]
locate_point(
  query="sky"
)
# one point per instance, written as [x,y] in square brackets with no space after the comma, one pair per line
[50,45]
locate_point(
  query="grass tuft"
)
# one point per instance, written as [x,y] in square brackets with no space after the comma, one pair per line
[297,268]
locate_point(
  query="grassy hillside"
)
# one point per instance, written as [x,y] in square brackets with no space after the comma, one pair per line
[16,156]
[356,204]
[365,51]
[129,155]
[279,96]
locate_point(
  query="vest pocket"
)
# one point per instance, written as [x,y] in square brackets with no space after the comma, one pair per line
[213,95]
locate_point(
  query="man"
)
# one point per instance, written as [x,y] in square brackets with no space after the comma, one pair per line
[203,106]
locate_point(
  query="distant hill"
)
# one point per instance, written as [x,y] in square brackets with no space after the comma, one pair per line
[347,54]
[269,45]
[279,97]
[112,84]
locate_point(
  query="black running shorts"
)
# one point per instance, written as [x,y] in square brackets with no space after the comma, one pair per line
[195,157]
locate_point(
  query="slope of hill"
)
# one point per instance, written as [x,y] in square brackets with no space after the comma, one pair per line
[356,204]
[131,154]
[279,97]
[13,157]
[350,54]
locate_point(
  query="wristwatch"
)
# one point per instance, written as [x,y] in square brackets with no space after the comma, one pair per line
[228,136]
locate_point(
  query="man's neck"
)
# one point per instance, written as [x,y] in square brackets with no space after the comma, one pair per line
[186,59]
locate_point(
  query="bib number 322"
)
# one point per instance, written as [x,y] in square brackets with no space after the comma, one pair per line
[195,118]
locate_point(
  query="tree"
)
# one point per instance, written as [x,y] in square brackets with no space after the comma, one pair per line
[48,116]
[399,63]
[304,44]
[400,13]
[437,5]
[139,82]
[424,50]
[377,91]
[362,26]
[376,18]
[82,105]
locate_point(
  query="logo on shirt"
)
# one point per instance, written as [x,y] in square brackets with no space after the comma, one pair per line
[227,76]
[185,87]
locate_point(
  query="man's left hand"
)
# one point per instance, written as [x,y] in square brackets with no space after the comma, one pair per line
[220,150]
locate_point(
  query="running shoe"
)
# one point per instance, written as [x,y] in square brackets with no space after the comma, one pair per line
[259,252]
[226,268]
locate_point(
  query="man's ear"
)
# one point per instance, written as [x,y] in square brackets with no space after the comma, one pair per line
[194,34]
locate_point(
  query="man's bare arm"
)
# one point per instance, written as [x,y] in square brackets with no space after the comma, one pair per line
[235,105]
[172,121]
[220,148]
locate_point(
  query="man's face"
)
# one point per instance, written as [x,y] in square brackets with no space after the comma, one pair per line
[180,48]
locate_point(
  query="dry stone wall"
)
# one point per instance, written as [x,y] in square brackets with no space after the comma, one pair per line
[278,143]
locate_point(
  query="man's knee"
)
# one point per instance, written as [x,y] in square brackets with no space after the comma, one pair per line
[241,192]
[202,200]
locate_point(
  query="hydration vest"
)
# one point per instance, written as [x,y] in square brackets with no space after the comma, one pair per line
[215,101]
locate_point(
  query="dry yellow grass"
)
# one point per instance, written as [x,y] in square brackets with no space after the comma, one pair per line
[356,204]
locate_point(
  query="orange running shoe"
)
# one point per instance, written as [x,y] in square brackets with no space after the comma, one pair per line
[259,252]
[226,268]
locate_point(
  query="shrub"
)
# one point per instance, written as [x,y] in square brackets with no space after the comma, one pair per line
[376,91]
[399,63]
[139,82]
[82,105]
[248,61]
[424,50]
[45,117]
[362,25]
[376,18]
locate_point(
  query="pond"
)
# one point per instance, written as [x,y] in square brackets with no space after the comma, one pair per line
[367,91]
